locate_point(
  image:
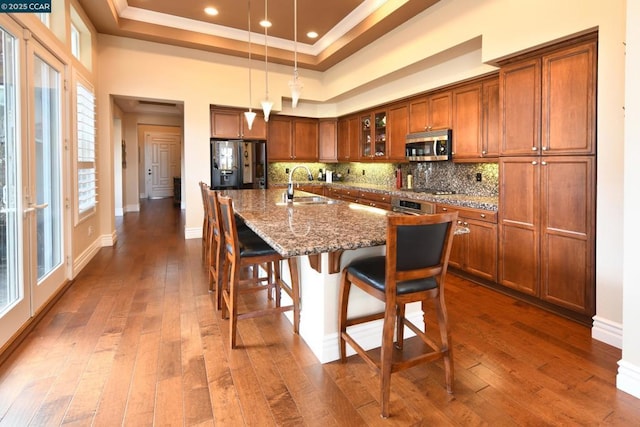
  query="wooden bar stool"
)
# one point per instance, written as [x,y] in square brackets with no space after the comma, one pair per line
[249,250]
[217,250]
[413,269]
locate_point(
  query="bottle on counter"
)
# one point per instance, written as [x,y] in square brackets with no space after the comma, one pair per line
[398,178]
[409,181]
[320,176]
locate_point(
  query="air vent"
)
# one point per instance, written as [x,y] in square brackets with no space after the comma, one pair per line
[157,103]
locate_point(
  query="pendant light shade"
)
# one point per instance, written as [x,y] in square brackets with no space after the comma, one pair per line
[266,103]
[295,84]
[266,108]
[249,115]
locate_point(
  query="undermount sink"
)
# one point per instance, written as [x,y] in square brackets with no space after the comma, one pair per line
[309,200]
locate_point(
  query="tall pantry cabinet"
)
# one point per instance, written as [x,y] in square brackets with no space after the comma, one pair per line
[547,176]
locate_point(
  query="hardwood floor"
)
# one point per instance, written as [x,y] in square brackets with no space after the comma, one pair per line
[136,341]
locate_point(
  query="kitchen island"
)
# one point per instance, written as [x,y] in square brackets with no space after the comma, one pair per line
[321,238]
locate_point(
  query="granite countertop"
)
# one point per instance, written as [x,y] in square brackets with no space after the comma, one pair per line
[463,200]
[295,230]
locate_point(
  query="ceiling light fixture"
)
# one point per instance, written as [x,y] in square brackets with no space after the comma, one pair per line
[295,85]
[312,34]
[266,104]
[211,11]
[249,115]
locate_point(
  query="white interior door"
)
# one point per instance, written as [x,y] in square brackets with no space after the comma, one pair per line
[162,163]
[44,192]
[15,298]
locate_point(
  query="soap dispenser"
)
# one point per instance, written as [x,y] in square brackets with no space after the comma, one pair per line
[409,181]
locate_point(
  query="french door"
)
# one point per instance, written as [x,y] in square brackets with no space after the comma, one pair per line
[32,165]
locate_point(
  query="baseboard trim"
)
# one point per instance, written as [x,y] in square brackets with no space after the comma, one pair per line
[368,335]
[83,259]
[628,379]
[607,331]
[193,232]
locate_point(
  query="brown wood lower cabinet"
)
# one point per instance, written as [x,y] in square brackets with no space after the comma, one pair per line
[347,194]
[369,198]
[476,252]
[310,188]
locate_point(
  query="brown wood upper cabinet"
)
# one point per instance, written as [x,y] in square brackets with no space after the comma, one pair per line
[397,129]
[430,112]
[548,102]
[328,140]
[292,138]
[476,121]
[231,123]
[348,134]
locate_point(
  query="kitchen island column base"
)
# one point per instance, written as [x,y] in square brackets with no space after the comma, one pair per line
[319,292]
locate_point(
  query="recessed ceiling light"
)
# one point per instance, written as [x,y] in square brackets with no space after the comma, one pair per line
[211,11]
[312,34]
[264,23]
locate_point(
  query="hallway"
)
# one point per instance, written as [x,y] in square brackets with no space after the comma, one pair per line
[136,341]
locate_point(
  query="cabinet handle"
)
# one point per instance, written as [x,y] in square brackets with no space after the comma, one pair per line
[465,223]
[459,222]
[534,163]
[544,148]
[483,216]
[543,163]
[444,209]
[484,152]
[534,148]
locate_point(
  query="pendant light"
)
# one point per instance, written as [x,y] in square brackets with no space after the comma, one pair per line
[295,85]
[249,115]
[266,103]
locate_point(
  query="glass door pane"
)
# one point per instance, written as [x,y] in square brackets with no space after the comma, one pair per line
[15,296]
[44,194]
[10,283]
[48,146]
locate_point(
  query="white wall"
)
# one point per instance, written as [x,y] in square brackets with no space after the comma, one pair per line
[118,184]
[444,44]
[629,373]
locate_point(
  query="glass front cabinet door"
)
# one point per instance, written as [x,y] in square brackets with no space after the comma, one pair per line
[373,135]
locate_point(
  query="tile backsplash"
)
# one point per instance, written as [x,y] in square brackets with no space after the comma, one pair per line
[459,177]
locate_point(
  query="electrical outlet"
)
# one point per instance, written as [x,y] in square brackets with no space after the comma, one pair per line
[286,170]
[348,171]
[362,171]
[478,177]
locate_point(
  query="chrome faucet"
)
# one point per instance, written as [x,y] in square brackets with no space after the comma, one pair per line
[290,183]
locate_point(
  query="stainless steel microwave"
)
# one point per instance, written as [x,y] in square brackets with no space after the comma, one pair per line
[428,146]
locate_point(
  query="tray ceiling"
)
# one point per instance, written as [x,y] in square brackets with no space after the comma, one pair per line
[343,26]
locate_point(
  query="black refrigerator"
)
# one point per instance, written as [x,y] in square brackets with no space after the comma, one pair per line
[238,164]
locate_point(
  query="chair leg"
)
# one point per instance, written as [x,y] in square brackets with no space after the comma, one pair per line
[400,326]
[295,288]
[274,281]
[220,278]
[386,359]
[223,288]
[345,287]
[234,279]
[270,281]
[445,338]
